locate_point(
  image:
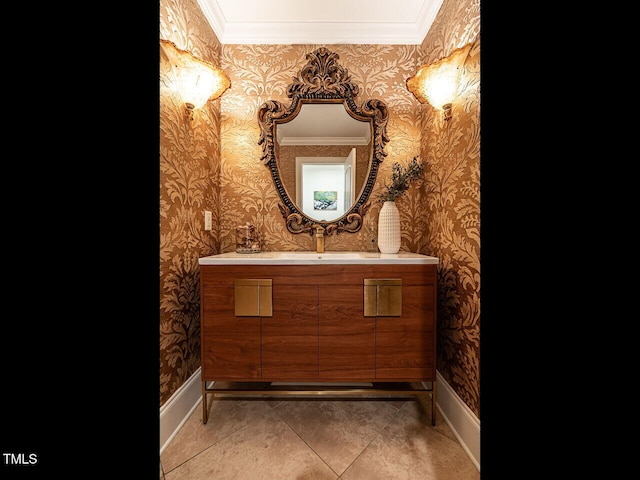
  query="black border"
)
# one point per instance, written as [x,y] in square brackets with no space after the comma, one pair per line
[82,301]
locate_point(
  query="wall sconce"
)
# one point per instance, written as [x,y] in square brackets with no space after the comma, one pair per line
[437,83]
[196,81]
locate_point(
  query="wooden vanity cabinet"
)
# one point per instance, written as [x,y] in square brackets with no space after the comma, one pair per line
[290,336]
[346,338]
[229,345]
[405,345]
[317,330]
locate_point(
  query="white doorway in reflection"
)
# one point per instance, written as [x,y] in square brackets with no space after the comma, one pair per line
[325,185]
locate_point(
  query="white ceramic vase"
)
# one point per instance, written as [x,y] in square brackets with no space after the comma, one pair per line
[389,228]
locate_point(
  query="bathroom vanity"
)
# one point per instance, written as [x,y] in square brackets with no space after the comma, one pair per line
[305,323]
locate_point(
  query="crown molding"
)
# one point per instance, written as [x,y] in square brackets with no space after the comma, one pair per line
[321,33]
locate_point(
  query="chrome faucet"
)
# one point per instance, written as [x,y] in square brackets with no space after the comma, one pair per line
[319,239]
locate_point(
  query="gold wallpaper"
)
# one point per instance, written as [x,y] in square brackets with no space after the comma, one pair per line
[189,175]
[452,200]
[213,163]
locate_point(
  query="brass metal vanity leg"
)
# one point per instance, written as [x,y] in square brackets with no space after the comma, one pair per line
[205,412]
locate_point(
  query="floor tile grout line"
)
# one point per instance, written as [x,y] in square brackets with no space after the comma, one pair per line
[305,442]
[425,424]
[379,433]
[359,455]
[233,432]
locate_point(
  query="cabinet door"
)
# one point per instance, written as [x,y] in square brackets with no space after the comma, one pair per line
[405,345]
[290,336]
[346,336]
[230,345]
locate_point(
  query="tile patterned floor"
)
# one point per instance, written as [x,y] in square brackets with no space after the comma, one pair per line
[315,438]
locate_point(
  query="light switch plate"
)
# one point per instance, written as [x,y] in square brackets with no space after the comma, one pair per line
[207,220]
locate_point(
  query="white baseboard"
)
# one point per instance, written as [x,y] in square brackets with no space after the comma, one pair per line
[462,421]
[175,412]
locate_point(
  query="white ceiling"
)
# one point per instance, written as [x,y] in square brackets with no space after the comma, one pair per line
[395,22]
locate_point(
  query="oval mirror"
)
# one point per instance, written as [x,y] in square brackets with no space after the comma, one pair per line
[323,150]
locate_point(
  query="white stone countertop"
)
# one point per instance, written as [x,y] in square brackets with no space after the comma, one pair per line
[313,258]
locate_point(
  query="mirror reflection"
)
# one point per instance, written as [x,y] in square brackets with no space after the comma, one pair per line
[323,156]
[323,150]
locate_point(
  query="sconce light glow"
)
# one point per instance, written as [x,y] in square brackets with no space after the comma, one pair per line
[437,83]
[196,81]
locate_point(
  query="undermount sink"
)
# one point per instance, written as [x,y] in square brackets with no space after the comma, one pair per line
[314,258]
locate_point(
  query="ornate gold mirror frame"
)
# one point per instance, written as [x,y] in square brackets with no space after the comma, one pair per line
[323,81]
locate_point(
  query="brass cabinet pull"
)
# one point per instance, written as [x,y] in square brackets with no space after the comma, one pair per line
[382,297]
[253,297]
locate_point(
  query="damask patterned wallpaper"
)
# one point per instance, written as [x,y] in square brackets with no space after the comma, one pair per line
[452,201]
[189,179]
[213,163]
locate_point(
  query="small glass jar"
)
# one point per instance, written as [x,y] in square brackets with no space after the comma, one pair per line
[247,239]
